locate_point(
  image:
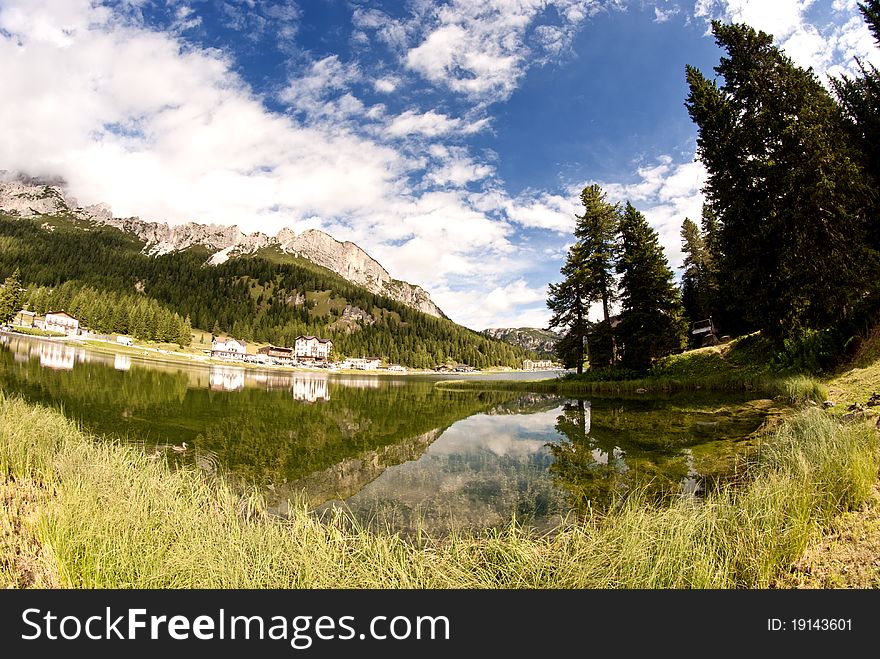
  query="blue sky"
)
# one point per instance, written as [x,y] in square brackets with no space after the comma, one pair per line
[448,139]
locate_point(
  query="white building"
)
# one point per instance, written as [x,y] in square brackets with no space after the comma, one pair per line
[365,363]
[228,348]
[311,348]
[537,364]
[61,322]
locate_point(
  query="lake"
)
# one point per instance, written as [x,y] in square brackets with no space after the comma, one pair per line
[394,450]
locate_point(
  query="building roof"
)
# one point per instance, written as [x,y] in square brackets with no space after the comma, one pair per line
[309,338]
[227,339]
[59,313]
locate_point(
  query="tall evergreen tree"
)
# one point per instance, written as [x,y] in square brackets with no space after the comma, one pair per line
[588,277]
[11,297]
[698,294]
[596,234]
[568,302]
[859,98]
[652,319]
[787,188]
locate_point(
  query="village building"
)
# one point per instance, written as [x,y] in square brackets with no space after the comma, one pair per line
[279,354]
[228,348]
[61,322]
[365,363]
[312,349]
[537,364]
[25,318]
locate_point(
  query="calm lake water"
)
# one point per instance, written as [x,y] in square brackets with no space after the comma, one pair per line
[395,450]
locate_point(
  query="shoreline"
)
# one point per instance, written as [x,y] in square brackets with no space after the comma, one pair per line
[156,354]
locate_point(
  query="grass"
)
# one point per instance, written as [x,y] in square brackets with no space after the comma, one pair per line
[737,366]
[794,389]
[36,331]
[90,513]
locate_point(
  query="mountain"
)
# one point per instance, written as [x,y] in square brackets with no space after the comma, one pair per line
[159,283]
[530,338]
[31,198]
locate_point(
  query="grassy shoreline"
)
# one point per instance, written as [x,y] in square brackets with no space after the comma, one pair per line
[168,355]
[80,513]
[794,389]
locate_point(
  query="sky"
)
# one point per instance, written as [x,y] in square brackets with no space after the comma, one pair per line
[450,140]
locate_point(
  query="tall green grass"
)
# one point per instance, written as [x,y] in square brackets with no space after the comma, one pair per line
[795,389]
[117,520]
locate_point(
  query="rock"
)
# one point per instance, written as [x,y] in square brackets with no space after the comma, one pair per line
[827,404]
[855,407]
[27,199]
[530,338]
[873,400]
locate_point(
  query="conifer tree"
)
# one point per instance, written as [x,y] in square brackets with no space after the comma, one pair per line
[786,186]
[568,302]
[652,319]
[11,297]
[588,277]
[859,98]
[698,294]
[596,233]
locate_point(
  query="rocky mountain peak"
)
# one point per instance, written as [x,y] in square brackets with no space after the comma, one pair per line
[30,198]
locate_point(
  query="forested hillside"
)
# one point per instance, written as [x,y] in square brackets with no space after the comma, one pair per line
[257,299]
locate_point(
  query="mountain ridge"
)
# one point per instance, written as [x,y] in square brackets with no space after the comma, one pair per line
[539,340]
[30,198]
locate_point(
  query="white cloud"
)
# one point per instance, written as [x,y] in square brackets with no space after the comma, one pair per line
[321,91]
[431,124]
[663,15]
[512,305]
[543,211]
[479,47]
[665,193]
[829,47]
[386,85]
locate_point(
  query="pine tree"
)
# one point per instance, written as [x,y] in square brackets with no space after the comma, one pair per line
[698,278]
[588,277]
[651,319]
[859,98]
[11,297]
[596,233]
[568,302]
[786,187]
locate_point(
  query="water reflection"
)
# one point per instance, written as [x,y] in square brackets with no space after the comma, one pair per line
[57,356]
[394,450]
[227,378]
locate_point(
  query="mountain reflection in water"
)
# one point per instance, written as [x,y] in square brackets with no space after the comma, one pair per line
[393,450]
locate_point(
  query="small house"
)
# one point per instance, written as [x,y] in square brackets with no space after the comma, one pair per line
[228,348]
[279,354]
[61,322]
[365,363]
[25,318]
